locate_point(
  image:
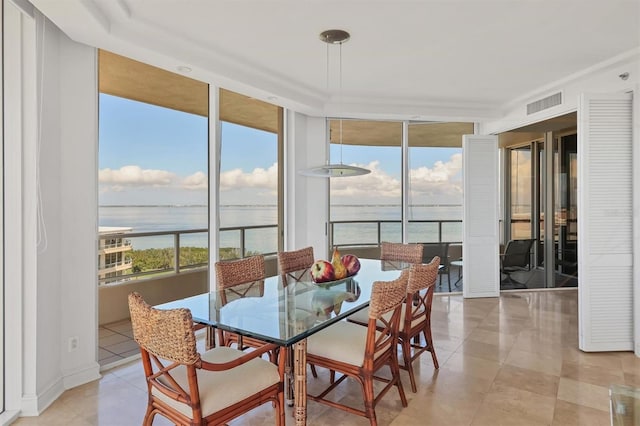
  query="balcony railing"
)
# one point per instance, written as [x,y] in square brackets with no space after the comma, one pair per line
[251,240]
[373,232]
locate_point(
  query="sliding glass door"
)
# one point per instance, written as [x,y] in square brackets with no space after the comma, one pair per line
[542,204]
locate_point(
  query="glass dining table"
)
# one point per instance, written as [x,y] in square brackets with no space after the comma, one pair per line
[285,310]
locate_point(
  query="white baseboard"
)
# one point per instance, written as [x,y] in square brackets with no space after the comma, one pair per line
[34,405]
[8,417]
[80,376]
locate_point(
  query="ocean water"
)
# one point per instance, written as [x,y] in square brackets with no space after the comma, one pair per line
[264,240]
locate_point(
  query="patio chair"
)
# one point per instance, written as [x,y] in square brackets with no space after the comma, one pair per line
[409,253]
[359,352]
[516,257]
[441,250]
[191,388]
[235,279]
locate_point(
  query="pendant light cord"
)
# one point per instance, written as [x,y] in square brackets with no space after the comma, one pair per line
[340,101]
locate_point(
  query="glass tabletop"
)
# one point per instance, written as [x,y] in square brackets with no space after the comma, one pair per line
[625,405]
[284,311]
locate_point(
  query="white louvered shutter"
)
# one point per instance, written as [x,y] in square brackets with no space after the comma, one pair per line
[480,219]
[605,219]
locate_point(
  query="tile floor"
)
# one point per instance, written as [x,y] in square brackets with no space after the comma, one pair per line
[513,360]
[115,343]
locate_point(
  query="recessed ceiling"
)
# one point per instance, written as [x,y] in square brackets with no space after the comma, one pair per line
[462,58]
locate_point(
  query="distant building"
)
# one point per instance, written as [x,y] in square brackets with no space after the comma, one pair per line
[112,249]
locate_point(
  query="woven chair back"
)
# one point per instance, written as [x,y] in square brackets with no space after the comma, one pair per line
[387,295]
[167,334]
[410,253]
[235,272]
[423,275]
[295,260]
[418,301]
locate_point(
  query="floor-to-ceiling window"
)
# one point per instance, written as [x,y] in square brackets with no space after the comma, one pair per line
[435,182]
[365,210]
[520,192]
[251,144]
[154,197]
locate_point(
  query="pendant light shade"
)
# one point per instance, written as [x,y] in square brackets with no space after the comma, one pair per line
[335,170]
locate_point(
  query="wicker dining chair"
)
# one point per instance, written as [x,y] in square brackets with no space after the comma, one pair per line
[391,252]
[416,316]
[190,388]
[409,253]
[294,262]
[360,352]
[236,279]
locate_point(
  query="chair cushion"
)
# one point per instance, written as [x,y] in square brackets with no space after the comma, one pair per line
[342,341]
[362,317]
[221,389]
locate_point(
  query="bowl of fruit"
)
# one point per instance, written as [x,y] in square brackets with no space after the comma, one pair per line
[338,269]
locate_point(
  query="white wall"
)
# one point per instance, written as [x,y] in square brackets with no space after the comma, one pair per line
[19,200]
[52,190]
[603,79]
[306,198]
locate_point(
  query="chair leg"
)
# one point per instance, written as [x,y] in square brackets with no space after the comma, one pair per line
[449,279]
[395,372]
[432,349]
[369,399]
[149,415]
[314,373]
[280,414]
[406,355]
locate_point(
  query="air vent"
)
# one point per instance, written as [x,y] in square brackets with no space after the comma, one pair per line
[544,103]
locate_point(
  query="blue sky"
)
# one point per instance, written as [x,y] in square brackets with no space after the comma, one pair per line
[154,155]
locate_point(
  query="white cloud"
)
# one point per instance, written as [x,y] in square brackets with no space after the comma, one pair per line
[424,178]
[428,185]
[377,186]
[258,178]
[135,176]
[198,180]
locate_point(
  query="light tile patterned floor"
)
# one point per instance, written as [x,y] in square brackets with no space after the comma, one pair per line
[115,343]
[507,361]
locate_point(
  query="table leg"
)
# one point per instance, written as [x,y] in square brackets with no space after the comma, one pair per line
[210,341]
[300,385]
[289,378]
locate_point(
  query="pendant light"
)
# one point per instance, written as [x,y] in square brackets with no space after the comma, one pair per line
[335,170]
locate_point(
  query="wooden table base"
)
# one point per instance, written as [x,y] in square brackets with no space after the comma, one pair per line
[300,382]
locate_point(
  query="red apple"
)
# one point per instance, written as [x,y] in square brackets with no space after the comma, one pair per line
[322,271]
[352,264]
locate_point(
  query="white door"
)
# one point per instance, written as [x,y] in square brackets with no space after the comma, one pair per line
[605,224]
[480,252]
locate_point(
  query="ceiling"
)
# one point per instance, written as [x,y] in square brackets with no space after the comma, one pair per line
[127,78]
[457,60]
